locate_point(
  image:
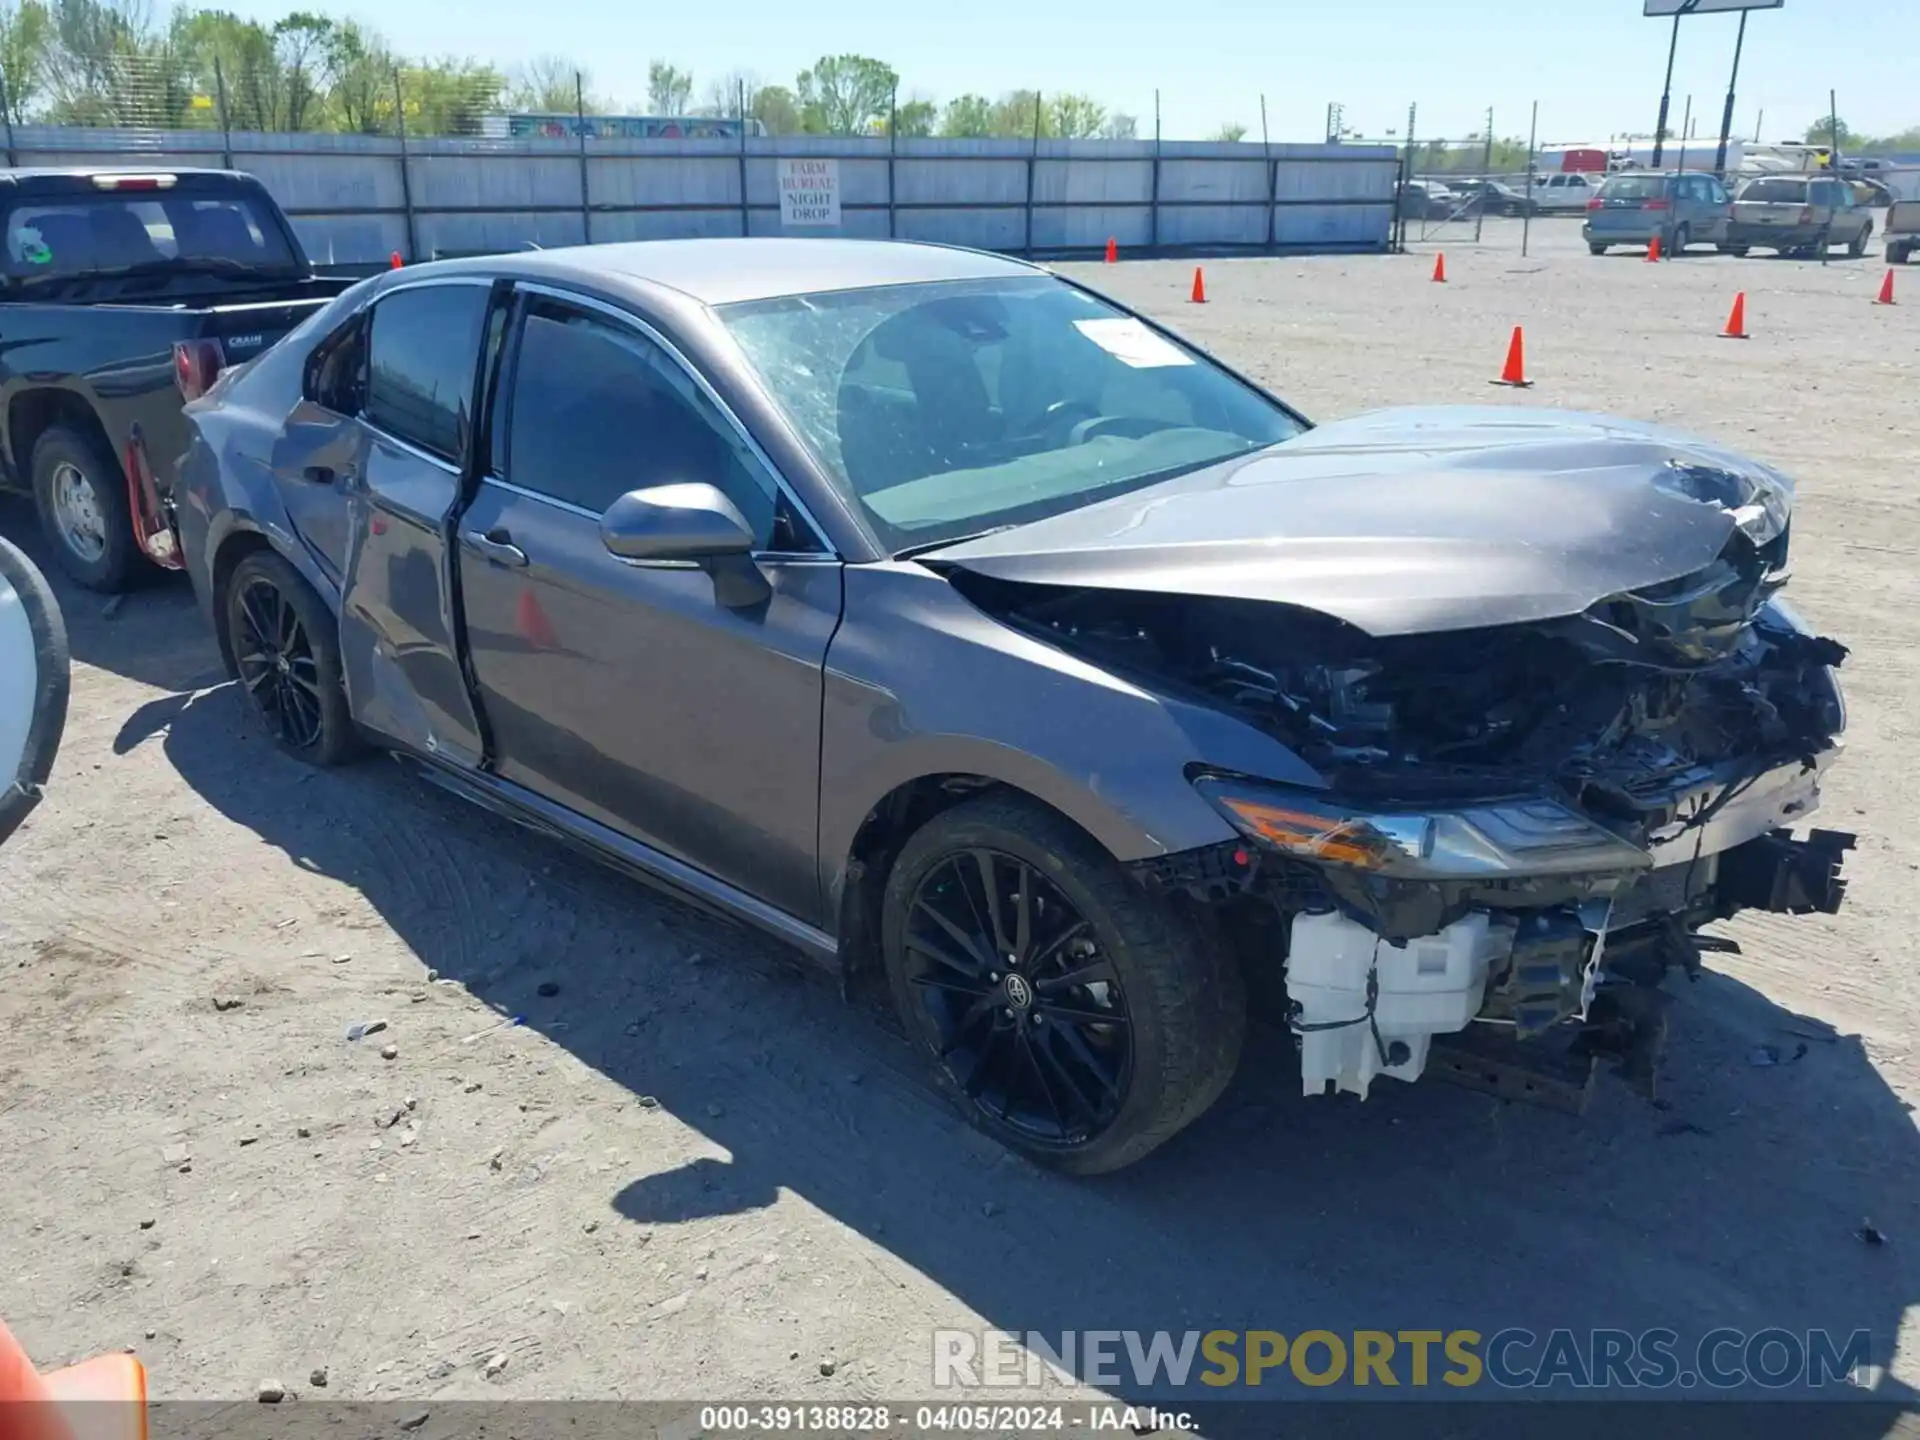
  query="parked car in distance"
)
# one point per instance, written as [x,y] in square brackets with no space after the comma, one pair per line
[1426,200]
[1565,193]
[1681,207]
[1903,231]
[1798,215]
[1491,197]
[935,614]
[123,292]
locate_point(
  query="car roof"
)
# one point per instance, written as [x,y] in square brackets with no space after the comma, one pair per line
[723,271]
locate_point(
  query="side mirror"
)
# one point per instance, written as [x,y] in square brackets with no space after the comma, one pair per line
[675,522]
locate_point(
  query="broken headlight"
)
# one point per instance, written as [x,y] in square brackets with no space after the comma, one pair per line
[1473,842]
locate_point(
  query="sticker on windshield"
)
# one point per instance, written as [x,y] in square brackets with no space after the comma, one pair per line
[1132,343]
[33,249]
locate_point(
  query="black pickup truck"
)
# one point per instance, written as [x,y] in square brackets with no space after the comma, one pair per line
[125,294]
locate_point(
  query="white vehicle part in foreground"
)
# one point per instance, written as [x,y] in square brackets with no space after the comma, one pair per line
[33,685]
[19,681]
[1431,986]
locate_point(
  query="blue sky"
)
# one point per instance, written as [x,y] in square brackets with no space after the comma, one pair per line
[1594,65]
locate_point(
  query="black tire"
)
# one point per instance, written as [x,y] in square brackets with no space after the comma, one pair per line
[1593,249]
[81,494]
[1858,245]
[1681,238]
[302,704]
[1182,997]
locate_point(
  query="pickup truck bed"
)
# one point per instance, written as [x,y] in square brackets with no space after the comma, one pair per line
[125,293]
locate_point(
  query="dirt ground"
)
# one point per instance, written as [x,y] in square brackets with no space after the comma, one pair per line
[693,1172]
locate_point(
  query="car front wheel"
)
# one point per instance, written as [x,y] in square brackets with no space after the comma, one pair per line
[1070,1014]
[286,652]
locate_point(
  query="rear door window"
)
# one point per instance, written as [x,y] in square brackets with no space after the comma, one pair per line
[1776,192]
[1634,187]
[423,347]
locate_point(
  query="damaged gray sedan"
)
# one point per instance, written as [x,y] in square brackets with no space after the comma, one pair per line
[937,615]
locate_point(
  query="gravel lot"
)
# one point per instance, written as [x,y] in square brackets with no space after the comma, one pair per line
[694,1173]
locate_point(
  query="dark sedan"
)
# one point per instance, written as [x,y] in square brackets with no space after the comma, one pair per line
[1492,197]
[938,616]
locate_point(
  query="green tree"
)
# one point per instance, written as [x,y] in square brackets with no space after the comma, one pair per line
[967,117]
[1076,117]
[359,72]
[1907,139]
[777,108]
[669,90]
[846,94]
[450,96]
[1120,127]
[111,65]
[26,38]
[1831,130]
[915,119]
[1014,115]
[1231,130]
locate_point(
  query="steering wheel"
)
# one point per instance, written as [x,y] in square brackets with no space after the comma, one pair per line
[33,685]
[1057,416]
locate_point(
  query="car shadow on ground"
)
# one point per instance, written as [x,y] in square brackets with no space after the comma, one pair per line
[153,634]
[1739,1204]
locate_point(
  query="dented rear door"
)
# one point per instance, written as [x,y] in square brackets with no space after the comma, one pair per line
[398,641]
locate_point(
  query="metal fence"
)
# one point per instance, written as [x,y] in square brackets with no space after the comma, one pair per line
[372,156]
[356,199]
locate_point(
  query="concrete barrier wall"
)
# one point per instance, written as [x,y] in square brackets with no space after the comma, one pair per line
[356,199]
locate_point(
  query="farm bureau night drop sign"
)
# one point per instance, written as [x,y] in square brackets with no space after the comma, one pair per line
[810,192]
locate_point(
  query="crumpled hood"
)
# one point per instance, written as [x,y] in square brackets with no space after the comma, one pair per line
[1413,520]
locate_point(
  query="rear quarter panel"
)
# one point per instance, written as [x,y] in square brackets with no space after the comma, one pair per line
[224,487]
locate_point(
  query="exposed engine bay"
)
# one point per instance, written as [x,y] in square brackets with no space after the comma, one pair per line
[1524,826]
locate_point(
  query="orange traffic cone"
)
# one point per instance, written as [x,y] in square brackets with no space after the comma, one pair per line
[1199,296]
[1653,247]
[1113,251]
[394,263]
[1885,297]
[1514,373]
[1440,268]
[1736,319]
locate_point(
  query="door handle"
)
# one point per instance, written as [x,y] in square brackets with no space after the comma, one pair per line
[497,545]
[324,475]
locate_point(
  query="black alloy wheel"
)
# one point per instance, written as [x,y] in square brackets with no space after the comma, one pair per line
[276,662]
[285,647]
[1031,1019]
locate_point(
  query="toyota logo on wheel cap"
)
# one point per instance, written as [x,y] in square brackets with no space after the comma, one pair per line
[1019,992]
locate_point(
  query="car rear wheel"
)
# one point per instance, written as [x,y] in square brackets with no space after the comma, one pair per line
[1858,246]
[286,651]
[81,493]
[1681,238]
[1593,249]
[1069,1014]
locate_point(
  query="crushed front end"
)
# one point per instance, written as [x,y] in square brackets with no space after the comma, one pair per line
[1522,828]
